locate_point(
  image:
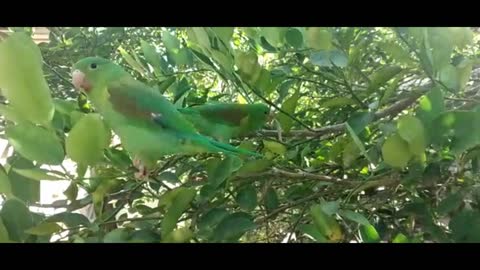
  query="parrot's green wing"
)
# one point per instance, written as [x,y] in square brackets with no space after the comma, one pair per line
[135,100]
[226,114]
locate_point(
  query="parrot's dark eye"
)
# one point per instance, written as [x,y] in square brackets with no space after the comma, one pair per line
[93,66]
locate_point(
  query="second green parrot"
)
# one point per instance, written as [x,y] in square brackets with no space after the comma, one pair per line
[148,125]
[224,121]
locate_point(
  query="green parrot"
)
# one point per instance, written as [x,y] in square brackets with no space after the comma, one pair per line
[148,125]
[224,121]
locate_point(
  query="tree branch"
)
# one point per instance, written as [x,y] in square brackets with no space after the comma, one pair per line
[394,109]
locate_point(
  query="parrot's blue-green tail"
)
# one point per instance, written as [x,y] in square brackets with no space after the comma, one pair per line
[229,149]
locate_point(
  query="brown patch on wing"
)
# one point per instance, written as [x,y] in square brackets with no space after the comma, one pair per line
[127,106]
[230,115]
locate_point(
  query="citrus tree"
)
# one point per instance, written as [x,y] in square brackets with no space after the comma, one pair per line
[376,136]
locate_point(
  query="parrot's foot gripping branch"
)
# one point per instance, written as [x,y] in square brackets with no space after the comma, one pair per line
[142,173]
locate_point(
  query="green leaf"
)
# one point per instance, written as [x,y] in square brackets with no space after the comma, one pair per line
[358,142]
[152,57]
[221,171]
[359,120]
[325,224]
[381,76]
[180,204]
[395,151]
[143,236]
[16,218]
[274,35]
[389,91]
[201,37]
[232,227]
[400,238]
[466,127]
[350,153]
[44,228]
[224,33]
[397,52]
[3,233]
[5,186]
[451,203]
[354,216]
[116,236]
[337,102]
[288,106]
[9,113]
[412,131]
[39,174]
[464,72]
[181,235]
[330,208]
[171,43]
[70,219]
[461,36]
[294,37]
[211,219]
[22,79]
[311,230]
[329,58]
[254,166]
[275,147]
[131,61]
[431,106]
[369,234]
[247,198]
[318,38]
[169,177]
[441,45]
[465,227]
[448,75]
[271,200]
[25,139]
[23,188]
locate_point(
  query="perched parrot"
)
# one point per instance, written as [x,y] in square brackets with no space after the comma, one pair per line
[148,125]
[224,121]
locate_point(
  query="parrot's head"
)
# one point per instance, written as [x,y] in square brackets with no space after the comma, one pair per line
[261,112]
[91,72]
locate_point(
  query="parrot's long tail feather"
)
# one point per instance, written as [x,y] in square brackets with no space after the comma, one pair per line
[233,150]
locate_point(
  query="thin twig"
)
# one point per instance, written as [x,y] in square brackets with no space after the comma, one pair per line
[59,75]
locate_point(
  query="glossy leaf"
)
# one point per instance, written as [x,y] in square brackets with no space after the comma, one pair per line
[87,140]
[312,231]
[5,186]
[412,131]
[395,151]
[369,234]
[356,217]
[275,147]
[16,218]
[24,138]
[271,200]
[180,204]
[294,37]
[318,38]
[232,227]
[45,228]
[131,61]
[22,80]
[39,174]
[3,233]
[247,198]
[288,106]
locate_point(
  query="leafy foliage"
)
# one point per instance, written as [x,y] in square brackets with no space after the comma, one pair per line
[375,136]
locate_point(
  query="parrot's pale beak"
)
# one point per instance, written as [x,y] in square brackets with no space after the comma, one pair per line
[79,81]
